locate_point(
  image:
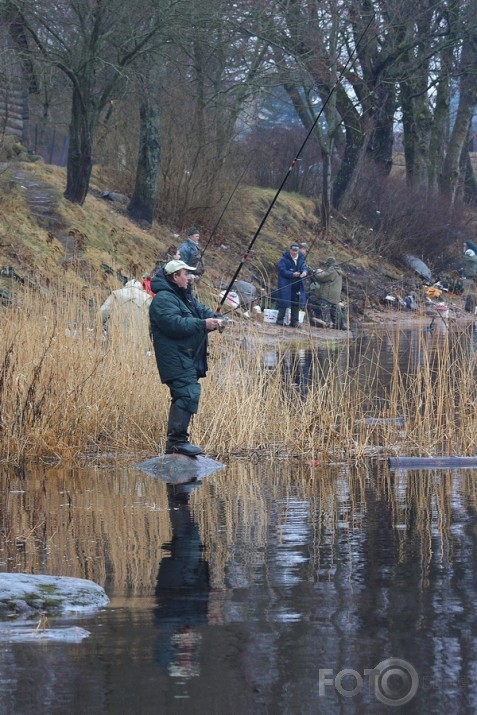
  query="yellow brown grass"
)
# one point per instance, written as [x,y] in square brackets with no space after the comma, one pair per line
[65,392]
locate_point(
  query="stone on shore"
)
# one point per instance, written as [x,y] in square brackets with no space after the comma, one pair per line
[27,594]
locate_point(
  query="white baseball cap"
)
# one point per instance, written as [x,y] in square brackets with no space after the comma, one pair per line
[176,265]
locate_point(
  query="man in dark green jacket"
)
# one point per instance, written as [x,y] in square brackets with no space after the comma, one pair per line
[179,328]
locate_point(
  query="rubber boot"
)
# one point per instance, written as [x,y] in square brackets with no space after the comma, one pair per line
[177,434]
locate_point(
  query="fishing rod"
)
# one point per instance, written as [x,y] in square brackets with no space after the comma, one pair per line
[291,167]
[312,274]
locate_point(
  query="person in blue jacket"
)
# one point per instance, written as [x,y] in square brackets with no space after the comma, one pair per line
[179,327]
[190,251]
[291,270]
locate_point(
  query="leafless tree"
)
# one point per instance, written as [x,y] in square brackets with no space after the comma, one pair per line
[95,45]
[403,55]
[455,165]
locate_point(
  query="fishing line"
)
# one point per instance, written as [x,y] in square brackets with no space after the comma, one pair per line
[224,209]
[291,167]
[267,294]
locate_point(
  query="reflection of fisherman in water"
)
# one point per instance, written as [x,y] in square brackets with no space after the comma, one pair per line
[182,589]
[298,370]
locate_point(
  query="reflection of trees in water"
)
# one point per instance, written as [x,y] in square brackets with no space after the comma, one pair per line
[306,566]
[347,567]
[103,525]
[303,368]
[237,522]
[241,510]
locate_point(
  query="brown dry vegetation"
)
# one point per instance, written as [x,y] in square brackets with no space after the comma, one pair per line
[66,394]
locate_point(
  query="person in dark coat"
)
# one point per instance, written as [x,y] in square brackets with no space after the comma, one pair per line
[291,270]
[303,250]
[179,328]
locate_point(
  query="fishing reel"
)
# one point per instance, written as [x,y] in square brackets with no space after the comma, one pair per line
[223,324]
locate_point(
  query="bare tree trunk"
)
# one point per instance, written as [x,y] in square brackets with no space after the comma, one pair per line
[451,173]
[357,169]
[80,162]
[326,190]
[417,123]
[352,157]
[143,202]
[470,185]
[440,127]
[380,148]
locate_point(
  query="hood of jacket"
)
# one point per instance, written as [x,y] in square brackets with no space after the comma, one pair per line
[160,283]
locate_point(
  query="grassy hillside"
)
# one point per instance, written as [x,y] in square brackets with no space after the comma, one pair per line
[70,242]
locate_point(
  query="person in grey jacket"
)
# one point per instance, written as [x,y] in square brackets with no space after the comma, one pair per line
[179,327]
[469,264]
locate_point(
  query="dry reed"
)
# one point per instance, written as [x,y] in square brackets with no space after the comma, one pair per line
[65,392]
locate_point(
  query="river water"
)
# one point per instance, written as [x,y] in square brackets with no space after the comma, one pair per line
[286,587]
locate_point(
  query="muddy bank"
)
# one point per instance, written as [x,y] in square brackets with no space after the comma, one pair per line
[384,317]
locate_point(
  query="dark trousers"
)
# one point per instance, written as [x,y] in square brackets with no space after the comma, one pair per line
[328,312]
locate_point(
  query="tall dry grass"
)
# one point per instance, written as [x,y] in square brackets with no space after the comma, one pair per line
[66,392]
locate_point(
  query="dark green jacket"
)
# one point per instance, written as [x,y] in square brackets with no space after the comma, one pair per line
[178,331]
[327,285]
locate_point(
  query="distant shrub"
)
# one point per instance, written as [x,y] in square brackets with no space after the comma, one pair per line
[402,220]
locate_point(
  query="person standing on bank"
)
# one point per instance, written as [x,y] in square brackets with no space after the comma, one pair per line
[179,327]
[191,254]
[190,250]
[291,270]
[325,288]
[303,250]
[171,254]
